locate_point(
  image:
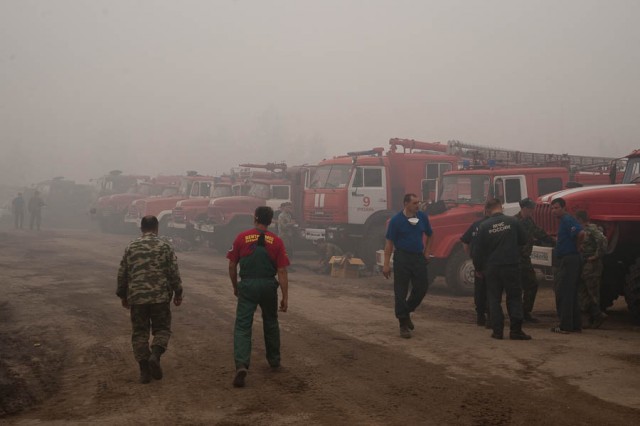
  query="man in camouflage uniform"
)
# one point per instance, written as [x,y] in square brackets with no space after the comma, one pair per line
[148,279]
[528,279]
[327,251]
[592,249]
[286,226]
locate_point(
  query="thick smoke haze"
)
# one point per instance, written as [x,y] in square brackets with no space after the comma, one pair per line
[169,86]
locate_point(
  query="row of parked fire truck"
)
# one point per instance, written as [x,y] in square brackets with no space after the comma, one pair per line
[348,199]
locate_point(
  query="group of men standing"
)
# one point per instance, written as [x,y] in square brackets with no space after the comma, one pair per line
[34,207]
[501,248]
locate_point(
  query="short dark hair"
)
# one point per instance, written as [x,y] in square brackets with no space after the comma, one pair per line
[560,202]
[491,204]
[407,197]
[264,215]
[149,223]
[582,215]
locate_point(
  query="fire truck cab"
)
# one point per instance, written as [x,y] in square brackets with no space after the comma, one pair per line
[616,209]
[227,216]
[351,197]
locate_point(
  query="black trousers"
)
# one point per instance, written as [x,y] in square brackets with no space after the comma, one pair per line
[480,295]
[409,269]
[504,278]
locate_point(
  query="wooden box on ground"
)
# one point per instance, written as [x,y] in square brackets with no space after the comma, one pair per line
[346,267]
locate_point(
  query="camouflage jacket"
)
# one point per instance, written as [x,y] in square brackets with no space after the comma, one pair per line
[149,272]
[285,223]
[535,235]
[595,243]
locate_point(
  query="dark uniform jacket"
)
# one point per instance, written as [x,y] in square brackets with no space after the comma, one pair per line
[498,242]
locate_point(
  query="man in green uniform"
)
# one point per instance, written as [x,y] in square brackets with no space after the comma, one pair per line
[593,248]
[147,281]
[535,235]
[261,256]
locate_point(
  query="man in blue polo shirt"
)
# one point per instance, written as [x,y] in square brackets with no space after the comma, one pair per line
[570,237]
[405,232]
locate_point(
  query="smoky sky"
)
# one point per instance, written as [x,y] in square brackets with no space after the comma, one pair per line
[168,86]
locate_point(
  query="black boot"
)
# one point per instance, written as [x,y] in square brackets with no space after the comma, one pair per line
[516,332]
[154,362]
[145,373]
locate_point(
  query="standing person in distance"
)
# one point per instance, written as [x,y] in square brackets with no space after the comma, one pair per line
[261,256]
[535,234]
[405,233]
[570,238]
[497,255]
[287,227]
[35,210]
[17,205]
[148,279]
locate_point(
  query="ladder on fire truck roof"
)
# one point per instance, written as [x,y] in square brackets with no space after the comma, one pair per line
[505,157]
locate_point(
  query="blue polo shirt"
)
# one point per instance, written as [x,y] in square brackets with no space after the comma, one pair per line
[406,236]
[567,235]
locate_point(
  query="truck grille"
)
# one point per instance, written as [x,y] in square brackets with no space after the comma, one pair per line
[178,215]
[543,217]
[320,217]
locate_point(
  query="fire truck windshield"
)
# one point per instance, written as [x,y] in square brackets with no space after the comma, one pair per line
[259,190]
[185,187]
[331,176]
[169,192]
[221,191]
[632,171]
[468,189]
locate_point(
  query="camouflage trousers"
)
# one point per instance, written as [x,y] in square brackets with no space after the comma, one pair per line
[529,284]
[589,289]
[152,318]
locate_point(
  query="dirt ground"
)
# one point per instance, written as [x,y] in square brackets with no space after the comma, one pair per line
[65,354]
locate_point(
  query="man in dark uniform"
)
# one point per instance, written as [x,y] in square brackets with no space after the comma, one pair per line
[35,210]
[479,283]
[497,255]
[18,210]
[570,237]
[147,280]
[528,279]
[405,232]
[261,255]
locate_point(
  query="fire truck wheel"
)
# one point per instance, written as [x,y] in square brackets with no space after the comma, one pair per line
[460,273]
[632,289]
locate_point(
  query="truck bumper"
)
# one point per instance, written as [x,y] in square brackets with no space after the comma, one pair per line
[175,225]
[206,228]
[313,234]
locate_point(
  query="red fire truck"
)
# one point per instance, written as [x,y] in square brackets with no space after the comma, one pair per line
[188,212]
[227,216]
[616,208]
[111,209]
[351,197]
[191,186]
